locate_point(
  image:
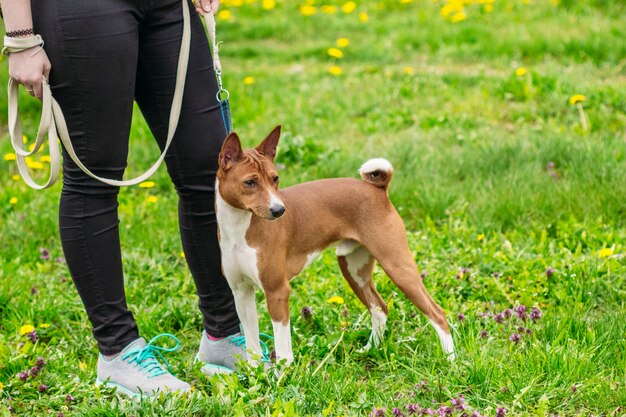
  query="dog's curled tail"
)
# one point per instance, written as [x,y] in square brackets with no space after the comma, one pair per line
[377,171]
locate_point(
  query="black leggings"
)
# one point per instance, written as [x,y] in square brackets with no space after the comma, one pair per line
[104,55]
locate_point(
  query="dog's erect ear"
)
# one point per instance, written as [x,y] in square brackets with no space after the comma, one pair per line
[231,151]
[268,146]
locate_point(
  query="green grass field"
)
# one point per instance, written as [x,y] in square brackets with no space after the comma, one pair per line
[510,199]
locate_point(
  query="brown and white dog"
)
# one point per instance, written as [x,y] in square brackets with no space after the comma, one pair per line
[268,236]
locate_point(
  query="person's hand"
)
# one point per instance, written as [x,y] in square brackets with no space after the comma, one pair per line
[30,71]
[203,6]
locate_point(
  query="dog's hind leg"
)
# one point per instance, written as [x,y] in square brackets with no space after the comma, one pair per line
[388,244]
[357,266]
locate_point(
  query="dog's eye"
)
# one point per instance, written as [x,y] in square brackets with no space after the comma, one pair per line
[250,183]
[276,179]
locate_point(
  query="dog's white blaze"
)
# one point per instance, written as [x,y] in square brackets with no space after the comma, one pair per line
[379,323]
[238,258]
[376,164]
[282,341]
[355,261]
[447,344]
[275,200]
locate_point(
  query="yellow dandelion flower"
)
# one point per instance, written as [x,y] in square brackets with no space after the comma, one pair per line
[521,71]
[147,184]
[605,252]
[268,4]
[489,8]
[224,15]
[335,70]
[335,300]
[10,157]
[1,386]
[248,80]
[27,328]
[152,199]
[348,7]
[406,1]
[329,9]
[458,17]
[447,10]
[577,98]
[408,70]
[45,158]
[480,237]
[182,255]
[15,177]
[343,42]
[44,325]
[34,164]
[31,147]
[13,200]
[308,10]
[364,17]
[335,53]
[82,366]
[24,139]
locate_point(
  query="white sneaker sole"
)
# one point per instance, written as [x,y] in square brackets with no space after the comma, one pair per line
[135,396]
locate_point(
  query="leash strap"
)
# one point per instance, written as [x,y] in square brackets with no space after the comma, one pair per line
[222,95]
[52,119]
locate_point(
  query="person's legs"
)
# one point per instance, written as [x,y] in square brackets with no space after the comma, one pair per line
[93,48]
[192,158]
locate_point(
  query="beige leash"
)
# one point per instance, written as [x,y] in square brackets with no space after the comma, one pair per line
[52,117]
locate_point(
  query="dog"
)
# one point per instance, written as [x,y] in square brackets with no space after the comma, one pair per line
[269,235]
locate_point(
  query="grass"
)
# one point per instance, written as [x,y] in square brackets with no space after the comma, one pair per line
[494,173]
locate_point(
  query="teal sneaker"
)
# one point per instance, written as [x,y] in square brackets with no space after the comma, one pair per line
[221,356]
[136,371]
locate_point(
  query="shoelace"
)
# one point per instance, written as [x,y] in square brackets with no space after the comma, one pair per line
[146,358]
[241,342]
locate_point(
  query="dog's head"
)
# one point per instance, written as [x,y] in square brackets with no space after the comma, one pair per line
[248,180]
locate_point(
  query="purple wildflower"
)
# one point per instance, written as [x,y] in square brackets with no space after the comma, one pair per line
[423,274]
[484,334]
[33,290]
[501,411]
[412,408]
[60,414]
[495,275]
[307,313]
[485,314]
[23,376]
[507,313]
[459,402]
[34,371]
[521,329]
[535,314]
[42,388]
[574,388]
[69,398]
[40,362]
[428,411]
[515,337]
[549,272]
[445,411]
[476,414]
[10,408]
[520,312]
[498,318]
[460,317]
[378,412]
[45,255]
[32,336]
[345,311]
[397,412]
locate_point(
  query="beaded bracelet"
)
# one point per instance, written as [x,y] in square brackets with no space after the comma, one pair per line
[20,32]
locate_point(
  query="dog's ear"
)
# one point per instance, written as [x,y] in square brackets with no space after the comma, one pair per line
[268,146]
[231,151]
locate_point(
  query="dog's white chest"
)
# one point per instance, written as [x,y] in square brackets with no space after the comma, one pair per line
[239,260]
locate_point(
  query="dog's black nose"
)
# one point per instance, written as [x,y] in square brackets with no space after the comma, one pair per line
[277,211]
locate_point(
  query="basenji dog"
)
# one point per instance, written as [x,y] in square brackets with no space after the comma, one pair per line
[269,235]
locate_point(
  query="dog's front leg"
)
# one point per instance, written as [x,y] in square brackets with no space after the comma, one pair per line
[247,312]
[278,306]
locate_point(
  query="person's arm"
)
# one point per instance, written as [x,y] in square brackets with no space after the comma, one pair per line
[27,67]
[203,6]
